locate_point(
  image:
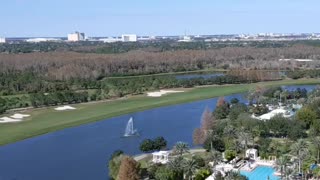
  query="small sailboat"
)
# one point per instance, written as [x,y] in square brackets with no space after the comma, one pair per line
[130,131]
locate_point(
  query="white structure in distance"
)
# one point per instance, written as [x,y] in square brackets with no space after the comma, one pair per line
[110,39]
[2,40]
[37,40]
[129,38]
[185,39]
[160,157]
[76,36]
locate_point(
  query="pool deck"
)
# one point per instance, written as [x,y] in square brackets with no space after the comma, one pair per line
[251,167]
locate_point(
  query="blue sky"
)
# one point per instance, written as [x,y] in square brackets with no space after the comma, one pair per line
[156,17]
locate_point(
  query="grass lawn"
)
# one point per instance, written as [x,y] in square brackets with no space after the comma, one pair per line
[48,120]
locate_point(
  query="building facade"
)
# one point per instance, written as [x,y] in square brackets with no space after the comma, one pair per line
[2,40]
[129,38]
[77,36]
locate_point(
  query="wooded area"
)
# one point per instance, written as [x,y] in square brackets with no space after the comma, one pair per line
[65,76]
[67,65]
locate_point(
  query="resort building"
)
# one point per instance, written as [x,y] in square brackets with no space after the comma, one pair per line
[252,154]
[160,157]
[77,36]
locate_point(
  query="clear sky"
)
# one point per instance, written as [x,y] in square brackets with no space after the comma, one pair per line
[156,17]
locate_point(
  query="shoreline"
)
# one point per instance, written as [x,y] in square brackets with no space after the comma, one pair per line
[46,120]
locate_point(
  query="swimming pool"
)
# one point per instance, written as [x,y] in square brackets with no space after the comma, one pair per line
[261,173]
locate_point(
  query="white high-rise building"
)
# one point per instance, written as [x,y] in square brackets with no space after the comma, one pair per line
[77,36]
[129,38]
[2,40]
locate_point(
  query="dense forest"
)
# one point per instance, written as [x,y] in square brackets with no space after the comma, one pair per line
[67,65]
[62,73]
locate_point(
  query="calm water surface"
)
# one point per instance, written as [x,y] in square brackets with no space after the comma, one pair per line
[82,152]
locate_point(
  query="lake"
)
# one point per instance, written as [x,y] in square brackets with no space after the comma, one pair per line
[82,152]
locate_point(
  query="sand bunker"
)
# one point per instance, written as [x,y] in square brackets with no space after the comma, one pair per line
[162,92]
[63,108]
[19,116]
[8,120]
[13,118]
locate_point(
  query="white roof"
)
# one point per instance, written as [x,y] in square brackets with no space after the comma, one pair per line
[251,150]
[274,112]
[160,153]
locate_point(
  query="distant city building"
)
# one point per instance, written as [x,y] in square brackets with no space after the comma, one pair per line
[145,38]
[37,40]
[77,36]
[186,39]
[129,38]
[110,39]
[2,40]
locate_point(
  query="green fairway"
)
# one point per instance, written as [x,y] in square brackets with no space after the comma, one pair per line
[48,120]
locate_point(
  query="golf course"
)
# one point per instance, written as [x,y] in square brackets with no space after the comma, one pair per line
[46,120]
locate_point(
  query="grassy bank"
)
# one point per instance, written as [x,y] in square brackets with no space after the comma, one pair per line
[47,120]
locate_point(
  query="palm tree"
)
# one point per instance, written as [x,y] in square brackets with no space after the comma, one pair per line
[289,172]
[190,168]
[232,175]
[215,156]
[299,150]
[316,143]
[274,147]
[177,165]
[281,165]
[230,132]
[181,148]
[236,146]
[285,95]
[245,139]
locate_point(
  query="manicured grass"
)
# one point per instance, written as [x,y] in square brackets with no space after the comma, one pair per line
[48,120]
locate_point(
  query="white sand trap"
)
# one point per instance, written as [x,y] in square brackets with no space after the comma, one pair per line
[19,116]
[63,108]
[162,92]
[8,120]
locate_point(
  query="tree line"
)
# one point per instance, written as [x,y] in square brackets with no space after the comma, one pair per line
[67,65]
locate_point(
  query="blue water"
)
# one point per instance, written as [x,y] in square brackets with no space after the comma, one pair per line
[204,76]
[82,152]
[261,173]
[293,88]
